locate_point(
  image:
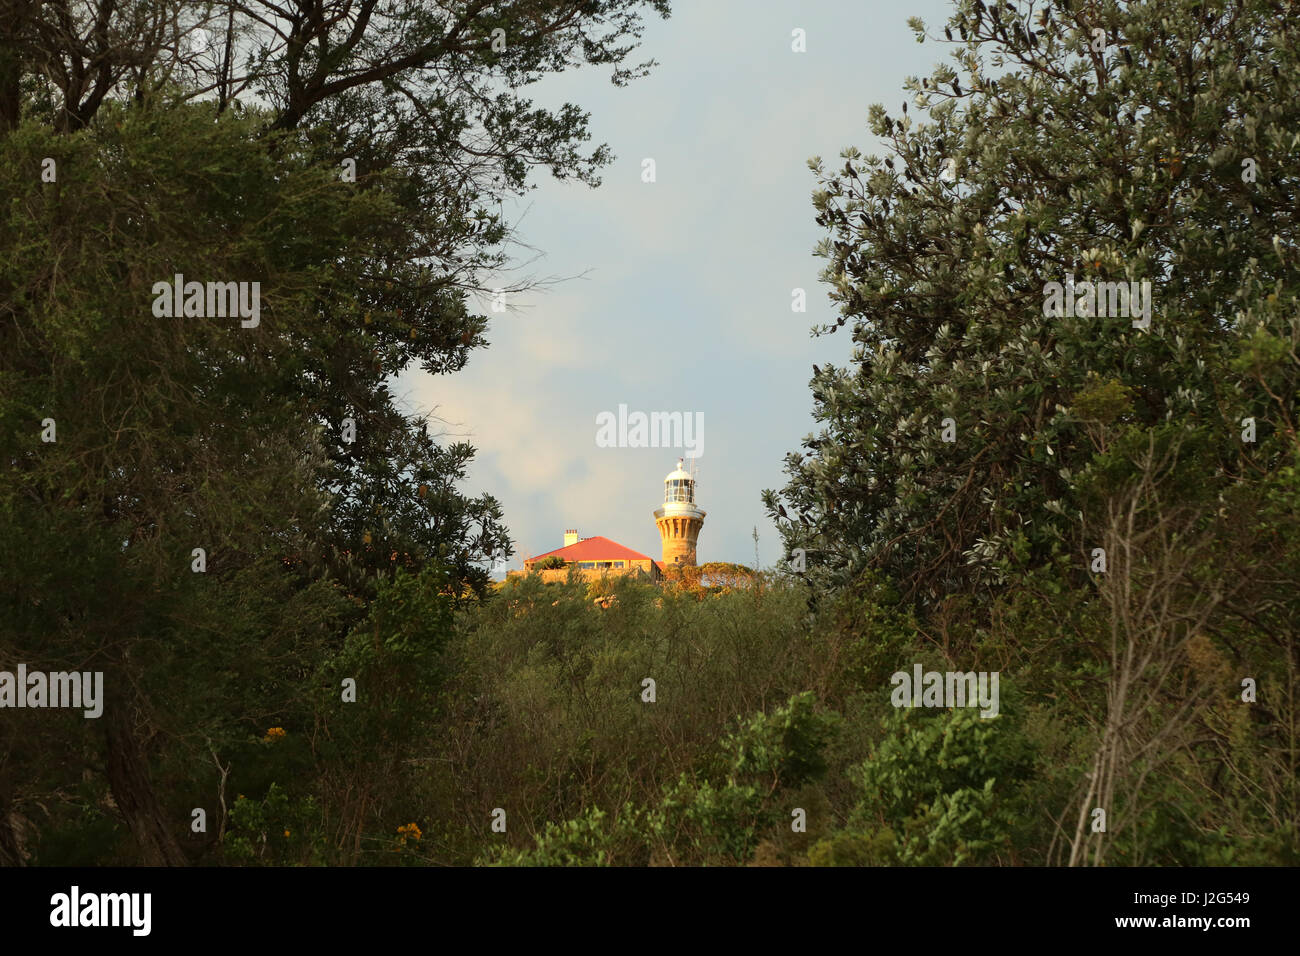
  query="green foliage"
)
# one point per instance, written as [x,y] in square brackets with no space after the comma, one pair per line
[766,757]
[698,819]
[1103,401]
[1125,166]
[949,786]
[851,848]
[274,831]
[333,547]
[783,747]
[1027,160]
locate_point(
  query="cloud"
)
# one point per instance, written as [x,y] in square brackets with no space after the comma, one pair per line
[684,300]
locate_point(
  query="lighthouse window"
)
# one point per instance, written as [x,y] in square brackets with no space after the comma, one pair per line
[679,489]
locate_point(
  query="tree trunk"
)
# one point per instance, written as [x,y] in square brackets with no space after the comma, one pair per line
[13,826]
[128,776]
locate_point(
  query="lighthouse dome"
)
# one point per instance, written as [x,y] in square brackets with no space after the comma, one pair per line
[679,487]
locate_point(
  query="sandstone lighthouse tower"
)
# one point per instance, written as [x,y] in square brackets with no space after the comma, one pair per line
[679,520]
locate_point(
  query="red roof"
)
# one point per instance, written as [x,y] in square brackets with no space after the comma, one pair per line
[593,549]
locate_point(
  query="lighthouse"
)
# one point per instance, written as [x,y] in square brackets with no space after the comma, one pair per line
[680,519]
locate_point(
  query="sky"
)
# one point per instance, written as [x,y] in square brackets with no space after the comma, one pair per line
[675,295]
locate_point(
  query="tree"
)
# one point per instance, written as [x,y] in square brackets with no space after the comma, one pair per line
[1016,428]
[1137,142]
[275,449]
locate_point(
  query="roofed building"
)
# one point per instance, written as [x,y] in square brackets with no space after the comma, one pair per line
[594,558]
[679,521]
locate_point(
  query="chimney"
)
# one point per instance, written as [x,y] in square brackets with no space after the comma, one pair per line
[570,537]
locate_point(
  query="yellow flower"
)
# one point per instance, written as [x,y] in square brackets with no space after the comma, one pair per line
[275,733]
[411,830]
[286,832]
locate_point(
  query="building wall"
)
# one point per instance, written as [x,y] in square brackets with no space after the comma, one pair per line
[636,568]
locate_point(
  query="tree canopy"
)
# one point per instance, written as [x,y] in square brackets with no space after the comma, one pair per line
[206,507]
